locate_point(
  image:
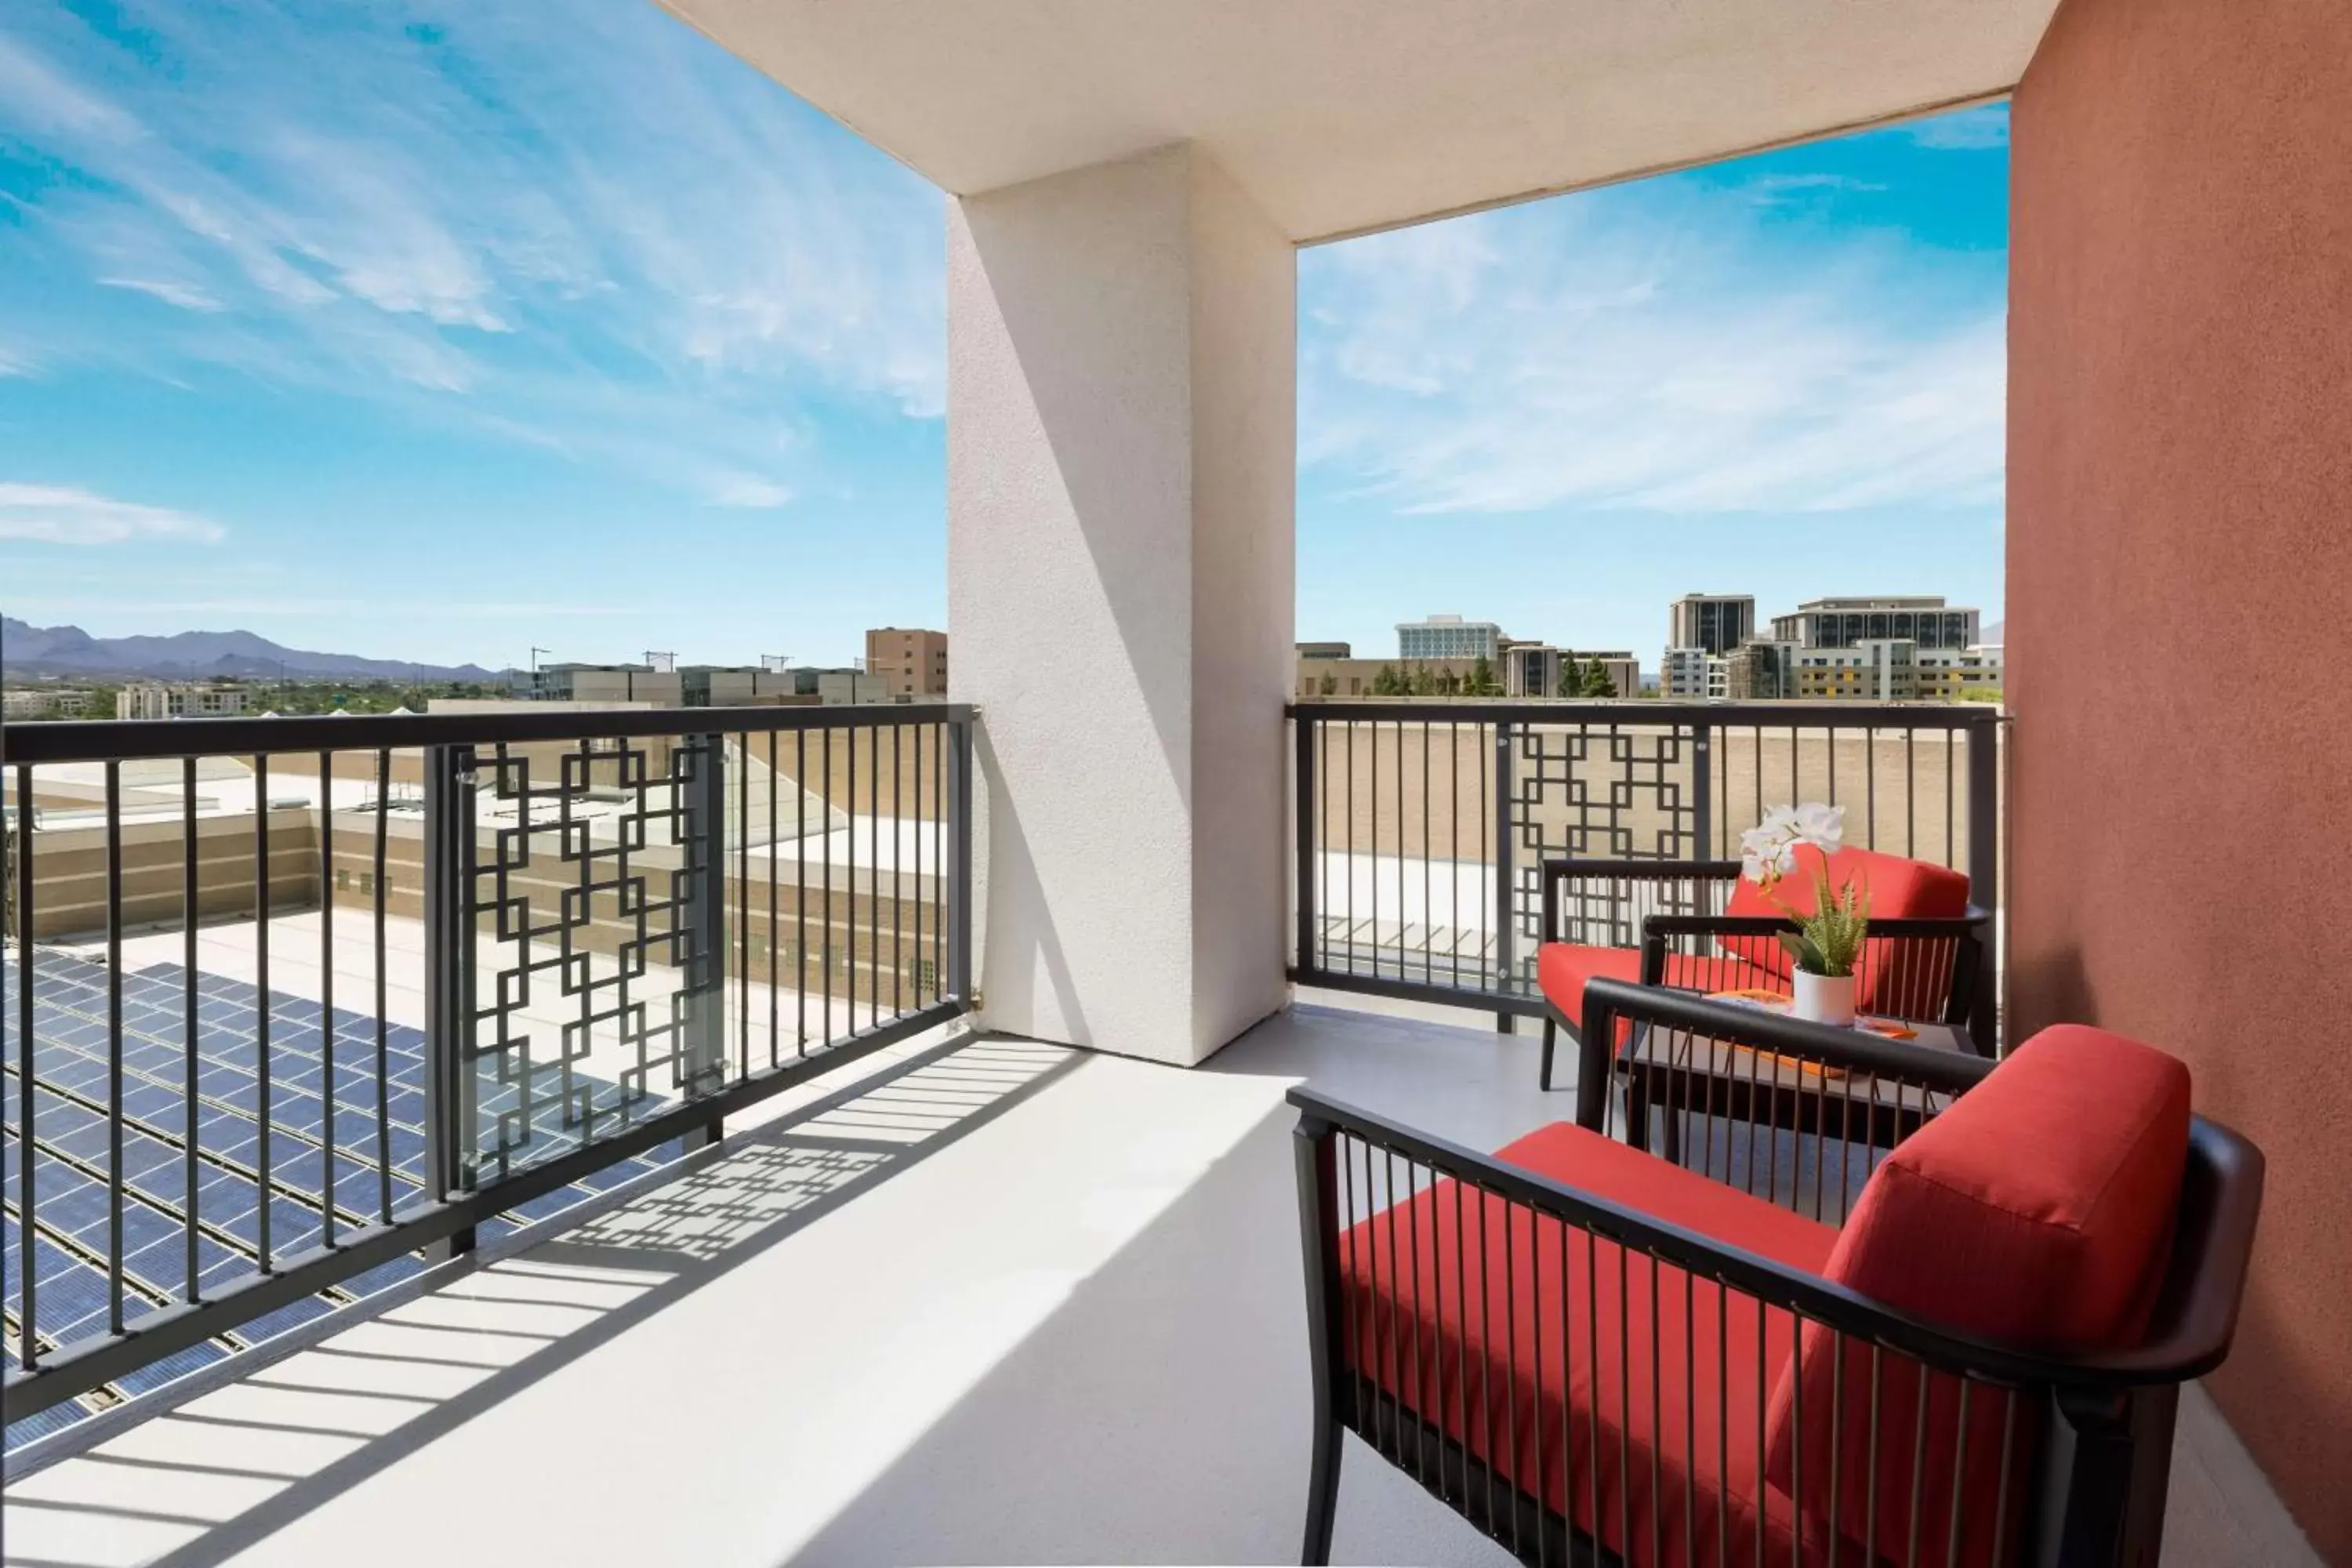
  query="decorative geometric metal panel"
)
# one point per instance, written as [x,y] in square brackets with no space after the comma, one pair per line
[1596,792]
[597,877]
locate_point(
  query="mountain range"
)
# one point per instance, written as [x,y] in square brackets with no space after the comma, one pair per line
[26,649]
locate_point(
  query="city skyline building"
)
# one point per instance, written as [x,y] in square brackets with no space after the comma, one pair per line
[1448,636]
[1717,623]
[1924,619]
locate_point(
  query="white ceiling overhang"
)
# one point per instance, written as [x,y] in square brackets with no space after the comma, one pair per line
[1344,116]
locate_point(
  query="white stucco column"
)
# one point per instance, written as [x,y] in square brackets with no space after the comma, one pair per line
[1121,453]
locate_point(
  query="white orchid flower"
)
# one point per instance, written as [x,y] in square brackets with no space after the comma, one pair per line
[1766,854]
[1768,851]
[1822,826]
[1829,937]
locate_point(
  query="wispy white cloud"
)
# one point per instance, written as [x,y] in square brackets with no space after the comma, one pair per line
[1639,351]
[611,240]
[186,296]
[1783,189]
[749,491]
[53,514]
[1971,130]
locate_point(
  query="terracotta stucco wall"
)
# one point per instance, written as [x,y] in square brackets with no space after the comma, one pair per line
[2180,621]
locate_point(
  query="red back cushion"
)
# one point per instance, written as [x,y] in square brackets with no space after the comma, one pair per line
[2037,1211]
[1900,889]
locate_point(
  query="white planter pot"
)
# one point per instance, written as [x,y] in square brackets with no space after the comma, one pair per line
[1825,998]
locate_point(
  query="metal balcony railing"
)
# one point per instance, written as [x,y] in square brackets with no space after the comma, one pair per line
[292,1004]
[1420,827]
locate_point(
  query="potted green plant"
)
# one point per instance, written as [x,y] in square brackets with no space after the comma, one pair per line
[1828,940]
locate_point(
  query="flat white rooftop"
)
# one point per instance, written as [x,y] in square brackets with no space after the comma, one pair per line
[1341,116]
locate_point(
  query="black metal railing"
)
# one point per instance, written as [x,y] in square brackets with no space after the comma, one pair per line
[293,1005]
[1420,828]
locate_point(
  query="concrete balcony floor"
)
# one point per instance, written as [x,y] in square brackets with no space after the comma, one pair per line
[979,1300]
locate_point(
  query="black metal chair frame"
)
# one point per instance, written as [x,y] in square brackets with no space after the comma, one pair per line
[1968,1007]
[2104,1422]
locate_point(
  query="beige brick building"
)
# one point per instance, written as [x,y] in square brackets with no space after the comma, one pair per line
[912,664]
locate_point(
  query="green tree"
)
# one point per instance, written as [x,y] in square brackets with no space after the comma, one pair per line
[1482,678]
[1596,680]
[1328,685]
[1572,680]
[1386,683]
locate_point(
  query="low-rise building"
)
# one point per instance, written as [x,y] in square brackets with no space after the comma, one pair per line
[607,683]
[1324,651]
[836,687]
[1537,669]
[733,685]
[178,699]
[1624,670]
[1529,669]
[1362,677]
[47,702]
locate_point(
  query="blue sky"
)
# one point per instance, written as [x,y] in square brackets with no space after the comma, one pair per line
[428,331]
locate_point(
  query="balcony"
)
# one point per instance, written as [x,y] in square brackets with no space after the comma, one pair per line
[666,1152]
[550,1138]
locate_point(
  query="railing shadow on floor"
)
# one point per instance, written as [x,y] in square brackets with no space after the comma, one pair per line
[234,1465]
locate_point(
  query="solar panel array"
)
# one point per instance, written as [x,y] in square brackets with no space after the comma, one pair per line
[377,1141]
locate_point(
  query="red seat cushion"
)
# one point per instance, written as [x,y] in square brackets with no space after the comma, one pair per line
[1581,1370]
[1562,969]
[2038,1211]
[1907,976]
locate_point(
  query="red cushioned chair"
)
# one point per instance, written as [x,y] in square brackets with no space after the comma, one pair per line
[1598,1354]
[1699,925]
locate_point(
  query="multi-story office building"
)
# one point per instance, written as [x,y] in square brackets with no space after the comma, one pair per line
[1923,618]
[1448,636]
[911,664]
[1714,623]
[1760,670]
[1876,669]
[161,700]
[1682,673]
[1324,651]
[1954,675]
